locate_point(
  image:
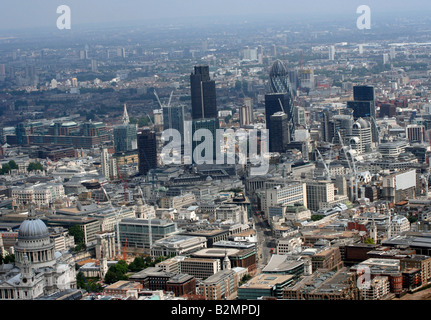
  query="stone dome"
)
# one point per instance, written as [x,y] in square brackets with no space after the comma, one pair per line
[33,228]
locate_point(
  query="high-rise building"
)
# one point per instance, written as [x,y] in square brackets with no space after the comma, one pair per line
[276,102]
[392,53]
[306,78]
[279,135]
[279,78]
[147,151]
[360,139]
[331,53]
[203,94]
[93,65]
[173,118]
[280,83]
[364,106]
[108,164]
[207,124]
[125,134]
[246,112]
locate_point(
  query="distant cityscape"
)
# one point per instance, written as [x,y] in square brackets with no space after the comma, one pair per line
[336,119]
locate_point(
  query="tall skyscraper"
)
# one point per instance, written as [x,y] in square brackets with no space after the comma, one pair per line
[276,102]
[279,133]
[331,53]
[108,164]
[364,106]
[209,124]
[147,151]
[173,118]
[280,84]
[246,112]
[125,134]
[203,94]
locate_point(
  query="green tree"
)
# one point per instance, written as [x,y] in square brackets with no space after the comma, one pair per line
[138,264]
[13,165]
[5,168]
[81,282]
[116,272]
[369,240]
[78,234]
[33,166]
[316,217]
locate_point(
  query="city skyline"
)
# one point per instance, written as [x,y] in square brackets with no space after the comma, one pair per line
[239,153]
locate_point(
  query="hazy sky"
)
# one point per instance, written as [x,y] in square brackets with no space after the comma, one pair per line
[18,14]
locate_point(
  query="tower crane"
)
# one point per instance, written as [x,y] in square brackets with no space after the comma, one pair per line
[165,106]
[116,220]
[352,166]
[150,232]
[328,175]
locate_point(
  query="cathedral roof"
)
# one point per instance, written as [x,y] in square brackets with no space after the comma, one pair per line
[33,227]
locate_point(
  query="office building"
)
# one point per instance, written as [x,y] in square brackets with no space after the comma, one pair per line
[203,94]
[415,133]
[284,194]
[279,135]
[364,106]
[361,136]
[265,286]
[173,118]
[147,151]
[319,192]
[331,53]
[277,102]
[125,134]
[177,245]
[207,150]
[219,286]
[140,233]
[200,268]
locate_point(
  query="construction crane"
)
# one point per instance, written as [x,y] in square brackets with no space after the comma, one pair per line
[377,129]
[352,167]
[150,232]
[165,106]
[328,175]
[118,230]
[125,251]
[116,220]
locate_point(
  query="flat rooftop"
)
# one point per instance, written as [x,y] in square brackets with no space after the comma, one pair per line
[266,281]
[214,252]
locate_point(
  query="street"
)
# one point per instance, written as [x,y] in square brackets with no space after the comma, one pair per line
[264,240]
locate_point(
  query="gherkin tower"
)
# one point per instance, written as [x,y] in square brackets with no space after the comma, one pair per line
[279,83]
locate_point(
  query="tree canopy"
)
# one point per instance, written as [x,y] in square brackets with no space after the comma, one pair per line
[33,166]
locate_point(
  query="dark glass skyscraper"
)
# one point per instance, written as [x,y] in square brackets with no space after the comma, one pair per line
[279,133]
[364,106]
[276,102]
[203,94]
[147,151]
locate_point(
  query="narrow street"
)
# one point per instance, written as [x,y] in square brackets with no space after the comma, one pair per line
[264,240]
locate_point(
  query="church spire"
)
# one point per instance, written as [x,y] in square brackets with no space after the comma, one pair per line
[125,115]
